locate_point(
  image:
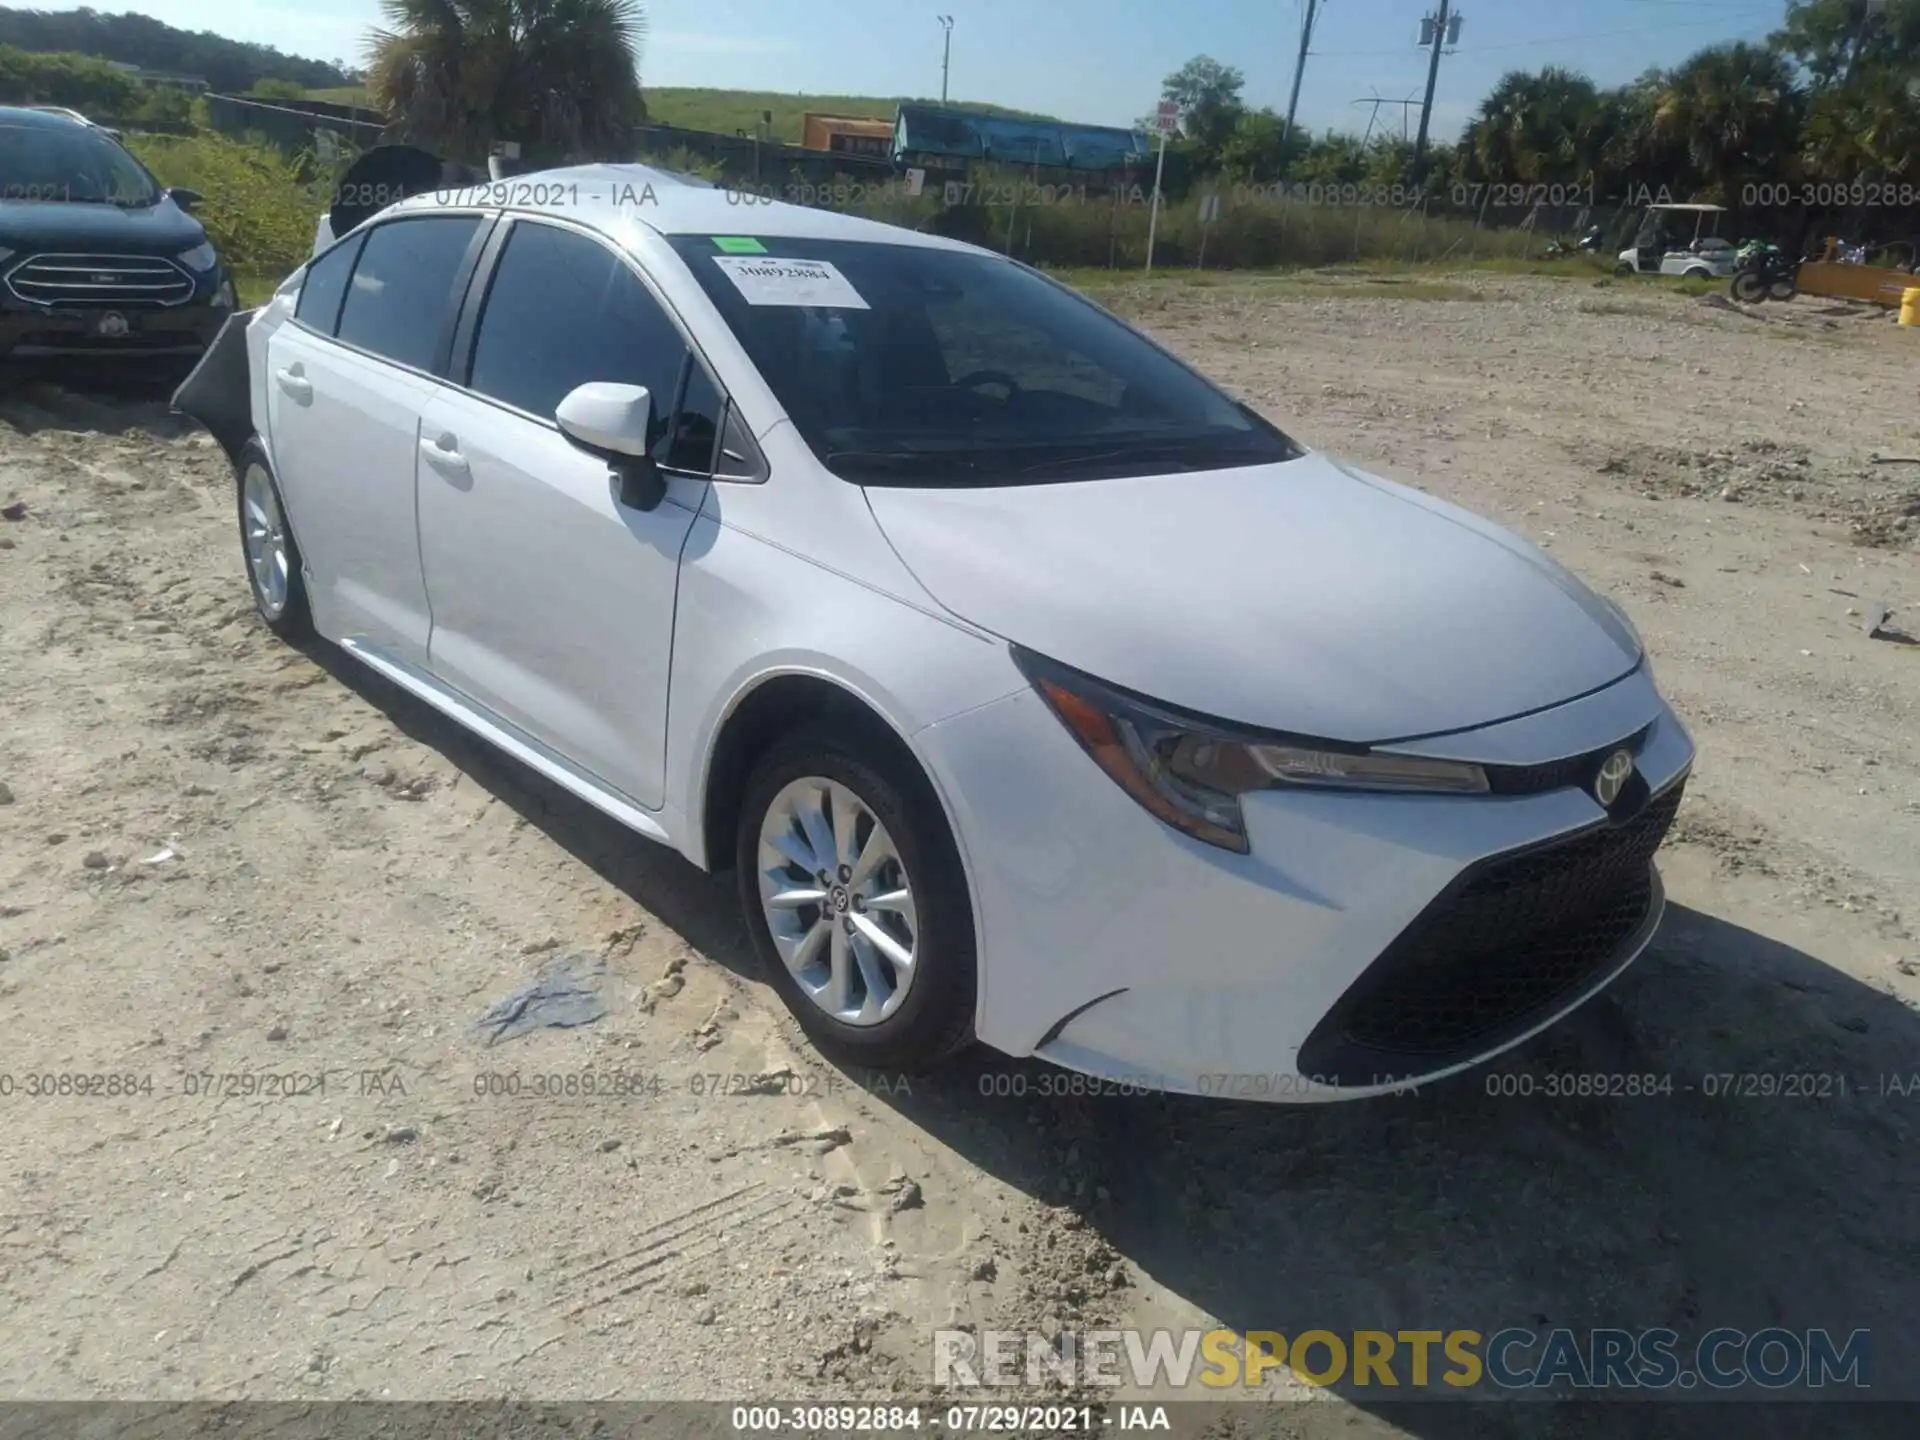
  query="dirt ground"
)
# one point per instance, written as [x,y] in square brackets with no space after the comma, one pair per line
[223,858]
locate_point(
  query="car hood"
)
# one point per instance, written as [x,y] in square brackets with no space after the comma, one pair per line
[1303,597]
[163,229]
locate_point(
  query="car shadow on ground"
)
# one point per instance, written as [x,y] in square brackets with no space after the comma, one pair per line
[1765,1180]
[123,399]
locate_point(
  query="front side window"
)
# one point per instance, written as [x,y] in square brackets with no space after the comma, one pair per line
[913,365]
[325,286]
[402,291]
[564,310]
[71,166]
[696,425]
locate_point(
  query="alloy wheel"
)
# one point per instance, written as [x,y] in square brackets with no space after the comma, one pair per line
[265,531]
[838,901]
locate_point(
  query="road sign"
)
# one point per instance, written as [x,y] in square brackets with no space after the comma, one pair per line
[1210,208]
[1168,120]
[916,183]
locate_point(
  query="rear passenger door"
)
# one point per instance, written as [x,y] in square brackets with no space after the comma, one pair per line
[553,602]
[350,376]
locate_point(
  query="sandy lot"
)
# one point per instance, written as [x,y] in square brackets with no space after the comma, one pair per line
[223,858]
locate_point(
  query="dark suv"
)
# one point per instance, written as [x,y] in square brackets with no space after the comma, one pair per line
[95,257]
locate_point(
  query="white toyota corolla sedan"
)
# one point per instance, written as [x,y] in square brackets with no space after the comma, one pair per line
[1039,692]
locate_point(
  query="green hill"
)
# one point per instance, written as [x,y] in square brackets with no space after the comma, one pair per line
[226,65]
[729,110]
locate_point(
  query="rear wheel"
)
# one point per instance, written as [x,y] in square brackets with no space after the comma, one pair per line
[857,902]
[273,559]
[1784,288]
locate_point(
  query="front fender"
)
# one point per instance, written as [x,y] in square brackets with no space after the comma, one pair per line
[219,392]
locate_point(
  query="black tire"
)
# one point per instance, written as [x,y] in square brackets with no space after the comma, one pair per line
[1749,288]
[1623,270]
[935,1019]
[1784,288]
[293,619]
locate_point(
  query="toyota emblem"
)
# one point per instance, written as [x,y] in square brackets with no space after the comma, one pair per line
[1613,778]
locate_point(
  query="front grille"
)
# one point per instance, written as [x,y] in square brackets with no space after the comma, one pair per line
[1577,772]
[1514,938]
[116,281]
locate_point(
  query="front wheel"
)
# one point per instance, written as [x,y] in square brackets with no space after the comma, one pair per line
[273,559]
[857,902]
[1749,288]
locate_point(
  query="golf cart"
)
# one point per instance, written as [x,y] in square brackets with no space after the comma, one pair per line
[1657,248]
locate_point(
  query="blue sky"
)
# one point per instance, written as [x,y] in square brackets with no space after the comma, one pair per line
[1099,61]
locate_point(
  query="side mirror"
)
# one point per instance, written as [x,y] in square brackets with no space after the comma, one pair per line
[613,421]
[186,199]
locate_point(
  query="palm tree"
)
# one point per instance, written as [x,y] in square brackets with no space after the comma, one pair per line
[1736,111]
[558,76]
[1533,129]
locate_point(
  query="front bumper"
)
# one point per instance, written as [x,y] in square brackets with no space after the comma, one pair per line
[31,331]
[1312,968]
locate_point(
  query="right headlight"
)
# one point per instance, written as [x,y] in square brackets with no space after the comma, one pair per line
[1191,772]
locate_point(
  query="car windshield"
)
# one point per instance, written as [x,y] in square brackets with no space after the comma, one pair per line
[63,165]
[912,365]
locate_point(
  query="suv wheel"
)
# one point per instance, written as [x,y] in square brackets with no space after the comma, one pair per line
[273,559]
[857,902]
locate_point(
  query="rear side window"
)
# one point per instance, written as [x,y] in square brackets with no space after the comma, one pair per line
[401,294]
[564,310]
[326,286]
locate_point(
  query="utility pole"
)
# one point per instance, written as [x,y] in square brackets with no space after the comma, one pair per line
[1299,70]
[1445,31]
[946,60]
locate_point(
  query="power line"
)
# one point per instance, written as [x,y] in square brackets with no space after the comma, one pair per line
[1541,40]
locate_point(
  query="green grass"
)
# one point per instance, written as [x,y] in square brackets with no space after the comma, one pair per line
[255,289]
[1327,283]
[726,111]
[343,95]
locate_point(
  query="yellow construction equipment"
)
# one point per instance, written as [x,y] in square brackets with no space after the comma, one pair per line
[1885,283]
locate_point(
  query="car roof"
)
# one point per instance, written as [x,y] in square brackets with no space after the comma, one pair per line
[48,119]
[611,198]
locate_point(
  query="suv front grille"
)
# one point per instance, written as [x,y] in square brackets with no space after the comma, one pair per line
[1514,938]
[119,281]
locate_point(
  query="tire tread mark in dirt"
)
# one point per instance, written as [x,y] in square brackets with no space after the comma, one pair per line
[702,1231]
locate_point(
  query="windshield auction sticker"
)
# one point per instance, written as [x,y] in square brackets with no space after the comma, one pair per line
[771,281]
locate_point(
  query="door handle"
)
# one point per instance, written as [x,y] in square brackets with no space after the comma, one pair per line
[294,382]
[444,455]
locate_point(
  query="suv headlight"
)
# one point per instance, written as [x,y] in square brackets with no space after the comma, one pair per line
[1191,772]
[201,257]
